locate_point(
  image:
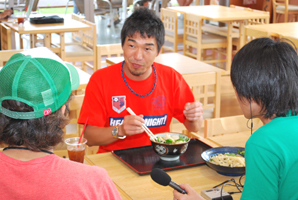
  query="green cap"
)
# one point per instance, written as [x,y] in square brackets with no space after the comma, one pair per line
[39,78]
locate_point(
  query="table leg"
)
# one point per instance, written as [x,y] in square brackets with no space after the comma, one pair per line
[199,48]
[31,41]
[21,42]
[241,35]
[229,48]
[62,46]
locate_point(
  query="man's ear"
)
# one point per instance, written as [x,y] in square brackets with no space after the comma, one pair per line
[63,109]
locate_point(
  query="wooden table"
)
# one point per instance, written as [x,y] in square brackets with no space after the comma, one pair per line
[182,64]
[69,25]
[277,29]
[136,187]
[227,15]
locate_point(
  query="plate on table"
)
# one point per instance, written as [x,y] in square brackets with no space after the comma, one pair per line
[227,171]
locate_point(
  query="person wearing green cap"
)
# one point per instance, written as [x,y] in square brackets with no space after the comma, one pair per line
[34,95]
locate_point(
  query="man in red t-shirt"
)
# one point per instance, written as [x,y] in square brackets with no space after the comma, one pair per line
[156,93]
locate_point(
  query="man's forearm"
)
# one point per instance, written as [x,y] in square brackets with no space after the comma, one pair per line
[99,136]
[193,126]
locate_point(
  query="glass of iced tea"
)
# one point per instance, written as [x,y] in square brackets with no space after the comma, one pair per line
[76,151]
[21,18]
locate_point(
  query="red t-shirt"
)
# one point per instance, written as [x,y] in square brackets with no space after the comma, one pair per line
[107,97]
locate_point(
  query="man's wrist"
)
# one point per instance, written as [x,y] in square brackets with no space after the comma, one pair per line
[115,133]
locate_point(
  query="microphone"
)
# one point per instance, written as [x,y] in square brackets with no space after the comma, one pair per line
[162,178]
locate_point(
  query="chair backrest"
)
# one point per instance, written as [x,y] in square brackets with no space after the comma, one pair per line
[257,21]
[254,21]
[240,7]
[107,51]
[283,7]
[73,129]
[192,32]
[170,21]
[77,36]
[252,33]
[227,125]
[206,89]
[191,25]
[6,54]
[89,38]
[5,37]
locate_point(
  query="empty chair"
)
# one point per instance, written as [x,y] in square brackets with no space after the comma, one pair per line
[194,37]
[253,21]
[84,51]
[172,33]
[221,130]
[6,54]
[282,7]
[107,51]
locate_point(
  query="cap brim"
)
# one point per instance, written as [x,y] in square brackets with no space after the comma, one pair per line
[74,76]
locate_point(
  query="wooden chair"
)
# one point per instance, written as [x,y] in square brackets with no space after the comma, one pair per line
[194,37]
[6,54]
[206,89]
[282,7]
[84,51]
[254,21]
[225,130]
[5,37]
[107,51]
[76,36]
[172,34]
[252,34]
[73,128]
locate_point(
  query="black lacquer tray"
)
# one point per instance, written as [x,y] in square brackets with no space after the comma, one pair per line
[143,159]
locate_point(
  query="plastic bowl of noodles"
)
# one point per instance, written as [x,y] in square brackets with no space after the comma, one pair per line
[170,145]
[225,170]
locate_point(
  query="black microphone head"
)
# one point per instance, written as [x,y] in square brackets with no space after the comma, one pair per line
[160,177]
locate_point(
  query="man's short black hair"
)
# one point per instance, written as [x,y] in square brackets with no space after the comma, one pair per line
[145,22]
[267,72]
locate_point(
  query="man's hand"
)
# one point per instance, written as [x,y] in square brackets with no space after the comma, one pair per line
[5,13]
[194,116]
[193,111]
[131,125]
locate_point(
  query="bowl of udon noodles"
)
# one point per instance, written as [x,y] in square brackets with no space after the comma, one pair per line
[228,161]
[169,146]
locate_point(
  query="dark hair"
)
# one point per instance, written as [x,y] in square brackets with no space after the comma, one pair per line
[145,22]
[267,72]
[35,134]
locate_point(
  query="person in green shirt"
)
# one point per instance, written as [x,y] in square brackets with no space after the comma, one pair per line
[264,74]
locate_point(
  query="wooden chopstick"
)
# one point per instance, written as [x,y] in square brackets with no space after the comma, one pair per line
[147,130]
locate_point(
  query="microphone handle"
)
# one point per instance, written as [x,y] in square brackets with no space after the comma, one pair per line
[177,187]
